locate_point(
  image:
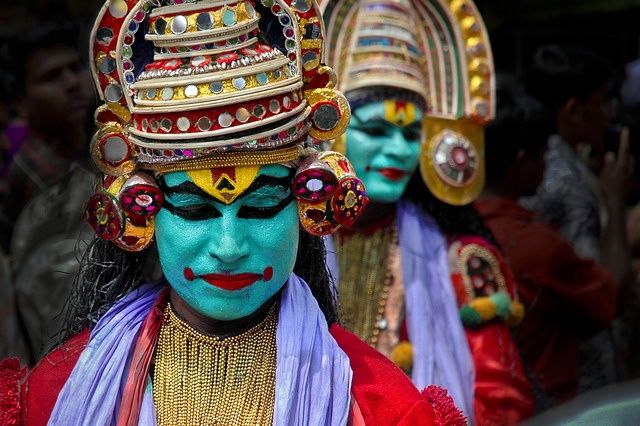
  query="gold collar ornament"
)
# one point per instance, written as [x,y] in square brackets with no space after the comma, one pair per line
[201,379]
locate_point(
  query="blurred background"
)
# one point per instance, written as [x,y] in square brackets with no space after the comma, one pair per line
[46,122]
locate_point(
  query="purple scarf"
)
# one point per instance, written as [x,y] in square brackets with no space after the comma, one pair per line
[313,375]
[441,354]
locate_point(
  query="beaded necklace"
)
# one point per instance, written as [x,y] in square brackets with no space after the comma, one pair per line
[201,379]
[365,278]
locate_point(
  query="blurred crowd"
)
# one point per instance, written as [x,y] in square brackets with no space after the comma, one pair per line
[562,199]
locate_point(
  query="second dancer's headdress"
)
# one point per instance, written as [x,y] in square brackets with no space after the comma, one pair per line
[438,51]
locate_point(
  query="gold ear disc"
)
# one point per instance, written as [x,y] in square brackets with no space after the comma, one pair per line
[112,152]
[330,113]
[452,159]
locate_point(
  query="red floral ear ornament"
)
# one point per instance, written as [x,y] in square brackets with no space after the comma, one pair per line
[328,192]
[123,210]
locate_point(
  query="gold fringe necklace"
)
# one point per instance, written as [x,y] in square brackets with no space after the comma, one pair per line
[365,278]
[205,380]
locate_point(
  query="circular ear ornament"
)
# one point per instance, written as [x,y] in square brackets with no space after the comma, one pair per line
[314,181]
[105,216]
[329,193]
[455,157]
[140,199]
[112,152]
[330,113]
[452,159]
[140,196]
[349,201]
[124,210]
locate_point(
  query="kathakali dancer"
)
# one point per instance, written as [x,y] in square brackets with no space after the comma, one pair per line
[419,77]
[213,110]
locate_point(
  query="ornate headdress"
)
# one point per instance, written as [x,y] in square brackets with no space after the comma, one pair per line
[437,50]
[201,84]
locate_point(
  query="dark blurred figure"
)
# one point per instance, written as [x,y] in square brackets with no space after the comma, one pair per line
[567,297]
[50,97]
[629,116]
[48,179]
[575,85]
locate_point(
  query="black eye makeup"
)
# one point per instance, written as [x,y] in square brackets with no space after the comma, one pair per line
[264,199]
[413,132]
[194,212]
[264,212]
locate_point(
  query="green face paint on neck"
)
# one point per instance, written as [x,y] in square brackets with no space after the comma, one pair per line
[227,260]
[383,144]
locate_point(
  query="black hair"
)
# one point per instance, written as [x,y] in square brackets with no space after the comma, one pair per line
[563,72]
[108,273]
[521,123]
[452,220]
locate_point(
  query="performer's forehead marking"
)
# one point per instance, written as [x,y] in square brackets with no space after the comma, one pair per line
[225,183]
[396,112]
[400,113]
[223,179]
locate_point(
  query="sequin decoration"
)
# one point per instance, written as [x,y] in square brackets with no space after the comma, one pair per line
[183,124]
[216,87]
[225,119]
[229,17]
[204,21]
[118,8]
[104,36]
[262,78]
[274,106]
[167,93]
[259,111]
[325,116]
[160,26]
[165,125]
[242,115]
[106,64]
[179,25]
[239,83]
[302,6]
[113,92]
[114,149]
[204,124]
[191,91]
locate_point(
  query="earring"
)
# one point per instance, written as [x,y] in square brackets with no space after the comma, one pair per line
[123,210]
[328,192]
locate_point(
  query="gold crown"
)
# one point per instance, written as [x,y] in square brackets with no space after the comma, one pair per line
[201,84]
[189,80]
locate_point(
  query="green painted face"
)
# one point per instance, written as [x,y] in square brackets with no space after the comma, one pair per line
[227,260]
[383,144]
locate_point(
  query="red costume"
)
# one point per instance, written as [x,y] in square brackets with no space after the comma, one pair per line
[567,297]
[502,393]
[375,380]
